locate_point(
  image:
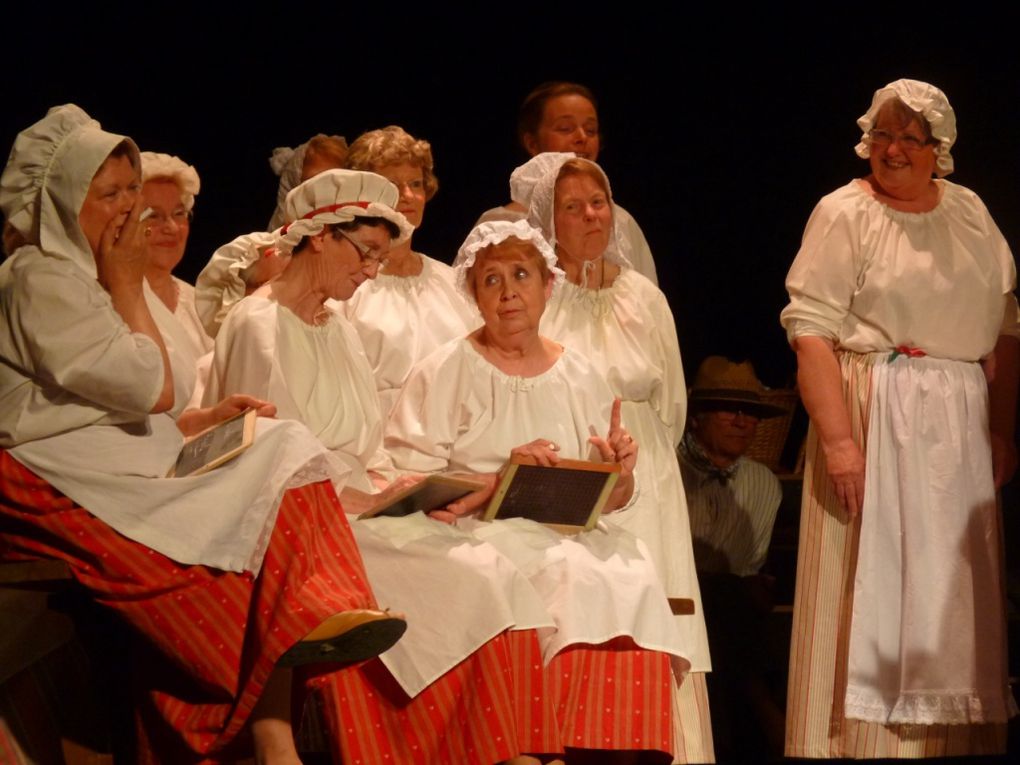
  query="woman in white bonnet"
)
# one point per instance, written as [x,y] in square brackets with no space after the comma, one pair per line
[616,317]
[505,389]
[905,326]
[233,575]
[169,188]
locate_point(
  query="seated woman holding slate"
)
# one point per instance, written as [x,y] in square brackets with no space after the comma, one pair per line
[471,404]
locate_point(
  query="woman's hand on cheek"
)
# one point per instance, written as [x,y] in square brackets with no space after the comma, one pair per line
[123,253]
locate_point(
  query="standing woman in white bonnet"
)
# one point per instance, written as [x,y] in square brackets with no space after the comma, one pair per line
[169,187]
[93,388]
[413,306]
[608,312]
[905,327]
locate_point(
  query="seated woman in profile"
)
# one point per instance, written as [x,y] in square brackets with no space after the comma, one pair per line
[506,389]
[224,573]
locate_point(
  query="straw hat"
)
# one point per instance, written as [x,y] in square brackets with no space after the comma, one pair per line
[724,384]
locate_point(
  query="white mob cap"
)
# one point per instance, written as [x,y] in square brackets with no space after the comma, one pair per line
[493,232]
[155,165]
[533,185]
[47,178]
[339,196]
[933,106]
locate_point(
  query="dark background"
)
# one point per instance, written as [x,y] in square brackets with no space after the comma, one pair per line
[722,128]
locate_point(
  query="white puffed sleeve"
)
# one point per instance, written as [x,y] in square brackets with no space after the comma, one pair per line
[670,399]
[422,428]
[823,277]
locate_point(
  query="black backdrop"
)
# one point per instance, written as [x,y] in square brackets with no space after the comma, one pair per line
[721,128]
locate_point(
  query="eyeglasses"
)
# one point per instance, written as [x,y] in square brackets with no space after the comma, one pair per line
[369,254]
[180,217]
[907,142]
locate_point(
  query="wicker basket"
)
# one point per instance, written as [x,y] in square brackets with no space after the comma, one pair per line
[770,438]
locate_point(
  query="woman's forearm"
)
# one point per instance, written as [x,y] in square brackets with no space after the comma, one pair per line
[821,389]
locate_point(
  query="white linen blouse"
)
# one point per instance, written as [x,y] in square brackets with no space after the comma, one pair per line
[402,319]
[872,278]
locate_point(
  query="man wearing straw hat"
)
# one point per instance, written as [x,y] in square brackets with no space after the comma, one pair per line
[733,502]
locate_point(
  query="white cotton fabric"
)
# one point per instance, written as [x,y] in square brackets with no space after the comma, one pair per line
[628,333]
[186,313]
[630,233]
[459,412]
[222,283]
[456,592]
[317,375]
[872,278]
[927,636]
[402,319]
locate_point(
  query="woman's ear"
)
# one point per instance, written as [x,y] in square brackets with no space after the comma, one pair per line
[318,242]
[531,144]
[549,287]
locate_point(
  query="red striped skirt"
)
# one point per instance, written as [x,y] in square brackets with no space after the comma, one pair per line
[219,634]
[500,702]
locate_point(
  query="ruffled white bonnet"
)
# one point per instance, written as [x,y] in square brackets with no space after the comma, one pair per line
[933,106]
[47,178]
[222,284]
[339,196]
[493,232]
[533,185]
[156,165]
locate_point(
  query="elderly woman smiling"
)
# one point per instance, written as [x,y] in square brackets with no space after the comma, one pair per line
[904,323]
[507,389]
[169,187]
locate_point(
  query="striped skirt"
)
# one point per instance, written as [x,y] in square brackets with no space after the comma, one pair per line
[217,635]
[827,558]
[500,702]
